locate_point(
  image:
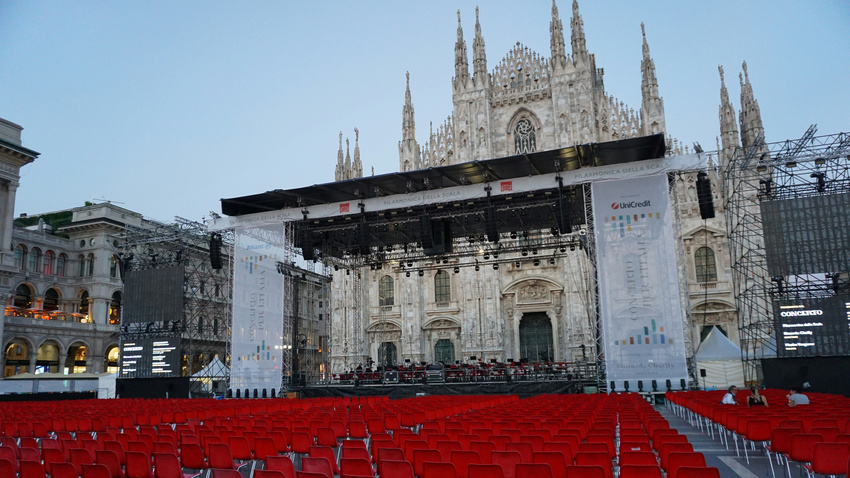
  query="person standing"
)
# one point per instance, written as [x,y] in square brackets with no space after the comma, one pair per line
[756,399]
[729,398]
[796,398]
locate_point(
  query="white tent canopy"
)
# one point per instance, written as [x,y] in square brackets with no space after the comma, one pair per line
[721,360]
[215,369]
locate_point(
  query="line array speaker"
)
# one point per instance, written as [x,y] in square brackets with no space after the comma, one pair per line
[426,235]
[704,196]
[215,251]
[492,229]
[565,225]
[363,238]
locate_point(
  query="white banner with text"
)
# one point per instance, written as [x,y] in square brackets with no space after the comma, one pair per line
[639,299]
[257,331]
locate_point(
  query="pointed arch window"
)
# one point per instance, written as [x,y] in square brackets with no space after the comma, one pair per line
[442,287]
[525,137]
[47,263]
[386,292]
[706,267]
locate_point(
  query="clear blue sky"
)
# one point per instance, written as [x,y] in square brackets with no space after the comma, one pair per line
[168,107]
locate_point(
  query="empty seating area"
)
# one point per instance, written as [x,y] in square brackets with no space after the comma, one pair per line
[813,439]
[434,436]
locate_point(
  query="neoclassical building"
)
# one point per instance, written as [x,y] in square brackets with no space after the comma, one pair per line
[530,307]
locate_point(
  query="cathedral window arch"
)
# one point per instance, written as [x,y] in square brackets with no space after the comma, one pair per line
[706,265]
[522,132]
[386,291]
[442,287]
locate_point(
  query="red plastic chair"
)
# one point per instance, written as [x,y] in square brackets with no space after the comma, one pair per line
[281,463]
[595,458]
[533,470]
[30,469]
[270,474]
[585,471]
[684,459]
[461,459]
[326,452]
[699,472]
[138,465]
[110,459]
[225,473]
[9,454]
[317,464]
[167,465]
[397,469]
[829,458]
[640,471]
[423,455]
[438,470]
[524,449]
[355,452]
[484,448]
[91,470]
[263,447]
[485,470]
[637,458]
[58,470]
[80,457]
[508,460]
[802,448]
[669,448]
[355,466]
[556,461]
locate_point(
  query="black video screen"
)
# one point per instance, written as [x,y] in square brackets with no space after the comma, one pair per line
[807,235]
[151,356]
[812,327]
[153,295]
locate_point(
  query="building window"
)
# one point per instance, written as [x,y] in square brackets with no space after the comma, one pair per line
[51,300]
[60,265]
[215,326]
[442,287]
[82,260]
[84,304]
[23,297]
[47,264]
[115,309]
[386,293]
[91,264]
[705,265]
[34,259]
[21,257]
[525,137]
[200,324]
[113,266]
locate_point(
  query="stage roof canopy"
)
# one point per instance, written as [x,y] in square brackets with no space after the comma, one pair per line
[473,172]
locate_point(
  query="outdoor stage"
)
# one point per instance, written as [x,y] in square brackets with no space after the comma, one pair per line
[395,391]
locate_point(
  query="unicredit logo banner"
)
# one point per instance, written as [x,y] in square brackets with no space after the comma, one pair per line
[630,204]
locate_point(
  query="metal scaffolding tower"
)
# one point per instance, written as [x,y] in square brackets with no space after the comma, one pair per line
[810,166]
[204,328]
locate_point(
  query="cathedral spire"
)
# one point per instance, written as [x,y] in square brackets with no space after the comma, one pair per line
[357,166]
[556,39]
[340,166]
[479,57]
[750,117]
[347,160]
[652,105]
[408,150]
[728,126]
[578,41]
[461,59]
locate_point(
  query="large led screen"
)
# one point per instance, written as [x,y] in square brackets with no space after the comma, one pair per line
[812,327]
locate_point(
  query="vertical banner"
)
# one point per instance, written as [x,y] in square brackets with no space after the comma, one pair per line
[639,300]
[256,351]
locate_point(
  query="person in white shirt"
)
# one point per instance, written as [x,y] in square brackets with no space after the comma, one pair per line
[729,398]
[796,398]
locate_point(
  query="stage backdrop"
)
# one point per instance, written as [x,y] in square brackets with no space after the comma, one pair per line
[257,331]
[639,298]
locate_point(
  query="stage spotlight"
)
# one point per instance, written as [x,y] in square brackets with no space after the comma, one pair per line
[613,386]
[513,235]
[761,168]
[517,264]
[421,273]
[669,385]
[495,267]
[495,255]
[409,263]
[683,383]
[348,272]
[654,386]
[534,251]
[445,261]
[457,269]
[640,385]
[626,385]
[486,256]
[371,267]
[563,249]
[791,164]
[378,266]
[407,274]
[536,262]
[780,288]
[477,268]
[572,247]
[820,161]
[336,267]
[524,252]
[552,261]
